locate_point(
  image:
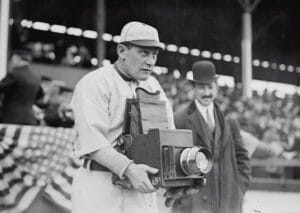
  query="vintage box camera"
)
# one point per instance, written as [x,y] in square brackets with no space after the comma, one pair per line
[172,151]
[180,163]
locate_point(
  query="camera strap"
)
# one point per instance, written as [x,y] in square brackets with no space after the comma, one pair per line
[123,142]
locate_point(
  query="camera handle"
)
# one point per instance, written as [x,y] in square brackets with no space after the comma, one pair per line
[123,142]
[155,180]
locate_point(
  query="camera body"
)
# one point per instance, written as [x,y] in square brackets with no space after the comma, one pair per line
[164,149]
[171,151]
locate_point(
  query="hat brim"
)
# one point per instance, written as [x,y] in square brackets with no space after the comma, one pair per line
[147,43]
[206,81]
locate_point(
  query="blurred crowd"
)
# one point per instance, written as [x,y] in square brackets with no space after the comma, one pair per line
[53,107]
[74,54]
[272,120]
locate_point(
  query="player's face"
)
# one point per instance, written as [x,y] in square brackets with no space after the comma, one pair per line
[140,61]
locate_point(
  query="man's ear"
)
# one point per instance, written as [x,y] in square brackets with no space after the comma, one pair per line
[121,50]
[217,86]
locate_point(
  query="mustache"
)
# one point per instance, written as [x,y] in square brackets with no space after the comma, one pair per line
[207,96]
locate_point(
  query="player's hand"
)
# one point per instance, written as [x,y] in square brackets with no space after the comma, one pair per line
[138,177]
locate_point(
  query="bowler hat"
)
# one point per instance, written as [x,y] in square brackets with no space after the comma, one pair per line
[140,34]
[204,72]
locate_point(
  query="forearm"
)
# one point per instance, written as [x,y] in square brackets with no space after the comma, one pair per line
[111,159]
[244,170]
[242,158]
[243,162]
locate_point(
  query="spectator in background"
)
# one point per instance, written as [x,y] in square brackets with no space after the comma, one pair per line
[55,104]
[68,59]
[20,88]
[84,56]
[58,111]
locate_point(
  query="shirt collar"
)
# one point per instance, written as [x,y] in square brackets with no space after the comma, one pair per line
[203,109]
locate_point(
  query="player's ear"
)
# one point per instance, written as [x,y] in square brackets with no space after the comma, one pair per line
[121,50]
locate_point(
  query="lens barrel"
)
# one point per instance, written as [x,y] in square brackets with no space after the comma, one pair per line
[195,161]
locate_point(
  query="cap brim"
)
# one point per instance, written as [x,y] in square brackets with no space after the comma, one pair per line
[147,43]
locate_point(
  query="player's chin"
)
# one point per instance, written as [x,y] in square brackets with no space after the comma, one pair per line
[144,75]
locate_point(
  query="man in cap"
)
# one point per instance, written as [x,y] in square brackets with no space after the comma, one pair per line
[230,176]
[98,103]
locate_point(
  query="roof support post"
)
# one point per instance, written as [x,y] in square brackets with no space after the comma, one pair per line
[246,58]
[100,25]
[246,45]
[4,29]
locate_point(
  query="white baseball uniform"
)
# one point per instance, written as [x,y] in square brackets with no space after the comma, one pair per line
[98,103]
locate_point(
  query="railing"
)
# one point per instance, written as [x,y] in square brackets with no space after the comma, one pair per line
[283,183]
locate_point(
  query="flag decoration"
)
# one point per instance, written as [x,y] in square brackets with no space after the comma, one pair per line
[35,160]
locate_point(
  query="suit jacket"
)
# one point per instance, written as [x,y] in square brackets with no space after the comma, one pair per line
[230,175]
[20,89]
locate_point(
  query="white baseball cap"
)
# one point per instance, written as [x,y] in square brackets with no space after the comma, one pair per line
[140,34]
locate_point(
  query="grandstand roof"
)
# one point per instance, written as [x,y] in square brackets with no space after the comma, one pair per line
[207,25]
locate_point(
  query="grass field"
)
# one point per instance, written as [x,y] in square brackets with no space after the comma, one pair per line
[271,202]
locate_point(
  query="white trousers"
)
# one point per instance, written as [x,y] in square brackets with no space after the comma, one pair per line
[93,192]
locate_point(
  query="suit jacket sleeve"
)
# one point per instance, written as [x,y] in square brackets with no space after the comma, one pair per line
[6,83]
[242,156]
[178,120]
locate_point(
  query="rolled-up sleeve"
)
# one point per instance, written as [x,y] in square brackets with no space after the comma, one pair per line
[90,104]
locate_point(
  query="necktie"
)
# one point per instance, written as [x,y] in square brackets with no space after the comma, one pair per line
[210,122]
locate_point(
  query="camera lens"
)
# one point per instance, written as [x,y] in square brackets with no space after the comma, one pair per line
[201,161]
[195,161]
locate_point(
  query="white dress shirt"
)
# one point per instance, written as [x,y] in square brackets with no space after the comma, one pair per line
[203,111]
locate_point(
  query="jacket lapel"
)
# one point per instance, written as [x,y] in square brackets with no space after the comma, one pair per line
[223,129]
[198,124]
[217,136]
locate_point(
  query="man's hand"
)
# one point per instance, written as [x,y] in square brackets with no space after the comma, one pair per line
[138,177]
[177,193]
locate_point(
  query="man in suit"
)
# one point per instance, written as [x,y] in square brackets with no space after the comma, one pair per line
[230,176]
[20,88]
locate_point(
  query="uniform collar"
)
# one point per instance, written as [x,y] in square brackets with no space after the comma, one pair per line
[122,74]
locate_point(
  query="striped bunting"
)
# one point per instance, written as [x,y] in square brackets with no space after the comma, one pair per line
[35,160]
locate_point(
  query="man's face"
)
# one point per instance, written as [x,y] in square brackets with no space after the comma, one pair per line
[139,61]
[17,61]
[205,93]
